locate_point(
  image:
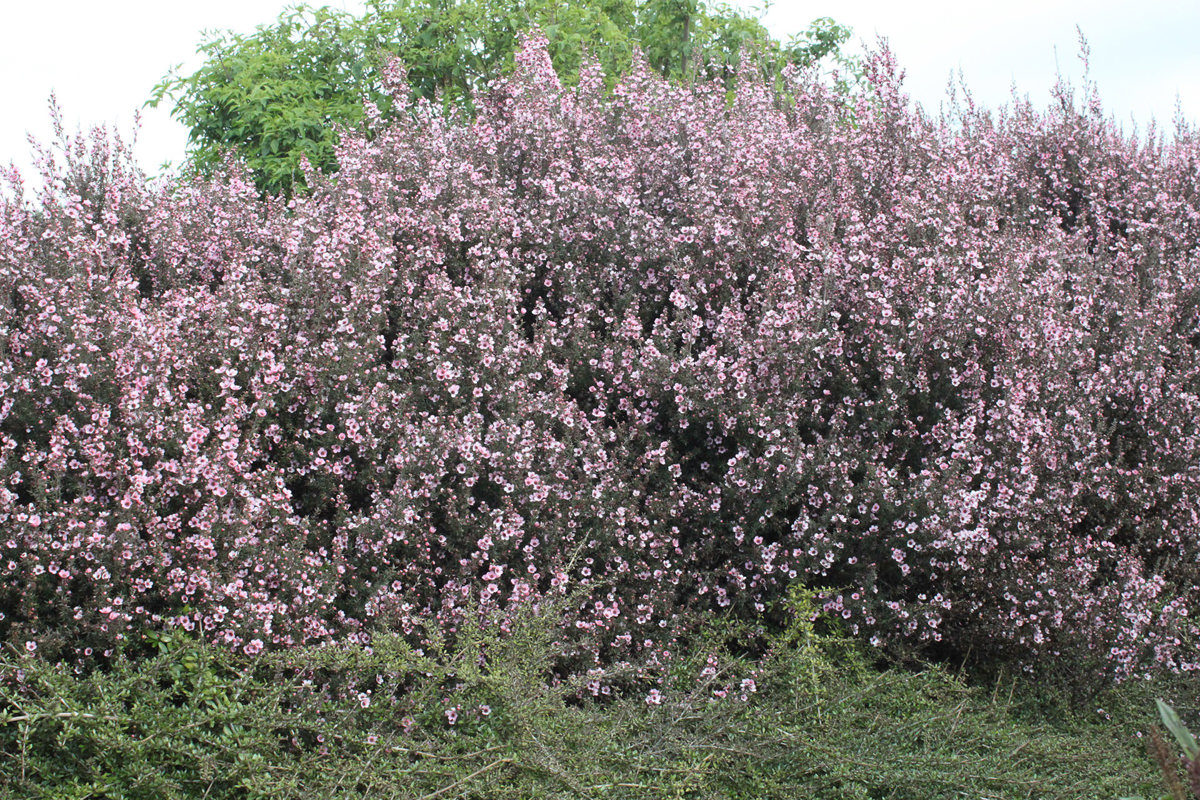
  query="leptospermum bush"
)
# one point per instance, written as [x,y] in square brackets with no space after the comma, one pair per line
[682,350]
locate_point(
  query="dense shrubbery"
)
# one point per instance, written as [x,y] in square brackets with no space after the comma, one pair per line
[680,351]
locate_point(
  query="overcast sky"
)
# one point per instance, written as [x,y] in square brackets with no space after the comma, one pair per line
[103,57]
[1143,54]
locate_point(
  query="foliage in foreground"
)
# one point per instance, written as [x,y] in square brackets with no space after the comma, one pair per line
[282,94]
[682,351]
[1180,767]
[819,722]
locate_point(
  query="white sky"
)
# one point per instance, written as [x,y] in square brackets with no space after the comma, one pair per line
[1144,54]
[103,57]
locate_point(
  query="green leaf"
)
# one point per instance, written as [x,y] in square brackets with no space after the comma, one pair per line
[1178,729]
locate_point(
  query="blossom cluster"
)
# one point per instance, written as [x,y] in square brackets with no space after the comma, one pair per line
[678,348]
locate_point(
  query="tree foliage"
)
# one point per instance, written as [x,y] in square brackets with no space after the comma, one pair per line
[280,94]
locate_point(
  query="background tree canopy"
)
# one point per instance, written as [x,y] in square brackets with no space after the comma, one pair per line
[280,93]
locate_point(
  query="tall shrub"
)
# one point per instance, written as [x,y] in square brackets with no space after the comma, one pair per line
[681,350]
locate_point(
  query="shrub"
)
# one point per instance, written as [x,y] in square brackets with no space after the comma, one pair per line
[682,351]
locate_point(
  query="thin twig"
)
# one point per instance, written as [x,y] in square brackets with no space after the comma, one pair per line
[474,774]
[59,715]
[448,758]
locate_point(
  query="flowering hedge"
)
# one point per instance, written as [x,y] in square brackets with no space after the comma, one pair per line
[682,349]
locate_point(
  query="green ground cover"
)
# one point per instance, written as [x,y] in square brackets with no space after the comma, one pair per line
[825,721]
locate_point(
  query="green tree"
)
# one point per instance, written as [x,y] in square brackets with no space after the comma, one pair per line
[279,94]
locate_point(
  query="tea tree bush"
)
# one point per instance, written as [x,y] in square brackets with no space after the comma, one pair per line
[681,351]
